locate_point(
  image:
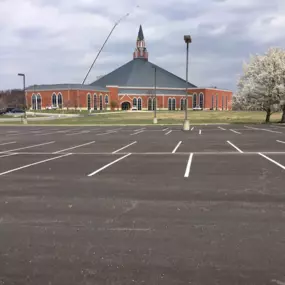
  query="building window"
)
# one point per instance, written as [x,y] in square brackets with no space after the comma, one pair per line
[194,103]
[39,102]
[182,104]
[59,100]
[139,104]
[201,103]
[149,105]
[173,105]
[101,102]
[106,99]
[34,102]
[88,102]
[135,102]
[169,104]
[54,101]
[95,102]
[213,102]
[154,104]
[223,103]
[226,102]
[217,102]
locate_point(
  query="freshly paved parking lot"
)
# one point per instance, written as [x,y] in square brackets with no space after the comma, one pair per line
[142,205]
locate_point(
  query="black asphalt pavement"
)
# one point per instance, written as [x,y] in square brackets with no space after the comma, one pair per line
[142,205]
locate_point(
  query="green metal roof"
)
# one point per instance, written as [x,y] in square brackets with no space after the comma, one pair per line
[140,73]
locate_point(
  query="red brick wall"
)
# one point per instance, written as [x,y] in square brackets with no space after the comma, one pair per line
[71,98]
[78,98]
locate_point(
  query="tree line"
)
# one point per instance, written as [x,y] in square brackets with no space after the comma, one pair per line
[262,84]
[14,98]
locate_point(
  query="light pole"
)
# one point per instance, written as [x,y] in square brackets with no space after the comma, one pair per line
[25,99]
[186,125]
[155,104]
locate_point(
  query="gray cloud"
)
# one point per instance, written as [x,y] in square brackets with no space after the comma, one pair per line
[55,41]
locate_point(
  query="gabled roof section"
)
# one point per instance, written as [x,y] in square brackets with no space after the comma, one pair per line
[140,73]
[140,35]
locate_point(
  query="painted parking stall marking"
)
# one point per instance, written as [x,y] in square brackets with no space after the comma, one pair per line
[32,164]
[74,147]
[7,143]
[176,148]
[79,133]
[280,141]
[108,165]
[222,129]
[139,132]
[27,147]
[188,167]
[168,133]
[272,160]
[116,151]
[234,146]
[266,130]
[6,155]
[236,132]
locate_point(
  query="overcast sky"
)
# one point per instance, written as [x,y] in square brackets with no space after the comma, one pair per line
[55,41]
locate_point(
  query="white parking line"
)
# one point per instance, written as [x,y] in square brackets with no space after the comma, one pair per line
[8,155]
[235,147]
[188,167]
[200,132]
[192,128]
[108,133]
[73,147]
[31,146]
[137,133]
[280,141]
[124,147]
[266,130]
[272,160]
[235,132]
[168,133]
[139,130]
[176,148]
[164,130]
[106,166]
[32,164]
[46,134]
[80,133]
[221,128]
[7,143]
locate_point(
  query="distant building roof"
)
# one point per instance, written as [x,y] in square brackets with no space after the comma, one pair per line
[140,73]
[65,86]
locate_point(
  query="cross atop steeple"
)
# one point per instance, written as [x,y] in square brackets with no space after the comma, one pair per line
[141,51]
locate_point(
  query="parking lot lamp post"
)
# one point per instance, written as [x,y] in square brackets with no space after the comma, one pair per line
[155,100]
[186,125]
[25,121]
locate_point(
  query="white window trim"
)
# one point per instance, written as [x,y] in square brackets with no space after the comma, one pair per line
[141,103]
[201,93]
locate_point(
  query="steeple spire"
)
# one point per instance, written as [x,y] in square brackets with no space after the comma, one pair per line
[140,51]
[140,35]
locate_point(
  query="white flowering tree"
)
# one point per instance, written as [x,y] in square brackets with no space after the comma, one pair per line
[261,87]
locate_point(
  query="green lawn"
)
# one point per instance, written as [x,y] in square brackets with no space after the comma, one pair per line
[165,117]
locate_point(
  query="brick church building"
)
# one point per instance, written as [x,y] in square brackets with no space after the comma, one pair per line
[133,85]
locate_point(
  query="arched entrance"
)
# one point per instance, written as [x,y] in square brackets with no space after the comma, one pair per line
[126,106]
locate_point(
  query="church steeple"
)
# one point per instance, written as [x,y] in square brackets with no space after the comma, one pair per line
[140,51]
